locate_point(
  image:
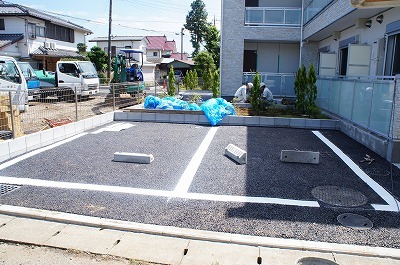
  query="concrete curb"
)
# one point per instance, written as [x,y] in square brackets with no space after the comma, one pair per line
[290,244]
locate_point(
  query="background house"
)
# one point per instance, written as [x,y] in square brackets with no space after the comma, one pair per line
[39,38]
[158,52]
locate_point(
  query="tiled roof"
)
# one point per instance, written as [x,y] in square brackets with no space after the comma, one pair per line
[19,10]
[118,38]
[177,55]
[160,43]
[54,52]
[8,39]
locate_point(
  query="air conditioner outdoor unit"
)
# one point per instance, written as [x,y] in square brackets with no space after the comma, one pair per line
[32,36]
[53,45]
[47,45]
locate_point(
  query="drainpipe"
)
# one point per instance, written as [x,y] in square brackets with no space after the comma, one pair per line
[301,31]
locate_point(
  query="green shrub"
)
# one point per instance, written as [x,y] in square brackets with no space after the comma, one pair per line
[171,82]
[255,97]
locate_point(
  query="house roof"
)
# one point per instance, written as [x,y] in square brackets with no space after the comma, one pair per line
[160,43]
[42,51]
[118,38]
[8,39]
[177,55]
[19,10]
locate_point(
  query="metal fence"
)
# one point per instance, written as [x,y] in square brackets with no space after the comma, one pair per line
[365,102]
[55,107]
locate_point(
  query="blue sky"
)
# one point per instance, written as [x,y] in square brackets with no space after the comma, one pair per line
[130,17]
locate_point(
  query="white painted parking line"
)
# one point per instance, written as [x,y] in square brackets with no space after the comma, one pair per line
[38,151]
[187,176]
[151,192]
[393,204]
[114,128]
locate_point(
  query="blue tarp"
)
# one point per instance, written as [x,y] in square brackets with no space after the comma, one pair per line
[215,109]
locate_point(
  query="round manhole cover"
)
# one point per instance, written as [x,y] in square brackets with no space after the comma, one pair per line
[315,261]
[339,196]
[354,221]
[377,172]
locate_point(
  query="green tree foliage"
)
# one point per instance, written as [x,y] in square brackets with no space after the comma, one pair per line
[212,40]
[191,80]
[306,91]
[207,79]
[171,82]
[204,62]
[215,84]
[196,23]
[255,95]
[98,57]
[81,48]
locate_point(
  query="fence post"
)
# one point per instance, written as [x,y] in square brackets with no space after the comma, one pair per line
[12,116]
[76,105]
[113,95]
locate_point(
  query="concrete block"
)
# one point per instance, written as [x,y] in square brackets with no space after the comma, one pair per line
[33,141]
[120,116]
[295,156]
[133,158]
[237,154]
[267,121]
[134,116]
[4,151]
[17,146]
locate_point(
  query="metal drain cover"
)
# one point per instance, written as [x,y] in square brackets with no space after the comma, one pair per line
[339,196]
[315,261]
[355,221]
[5,188]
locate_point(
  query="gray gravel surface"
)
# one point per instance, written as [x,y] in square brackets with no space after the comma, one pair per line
[88,160]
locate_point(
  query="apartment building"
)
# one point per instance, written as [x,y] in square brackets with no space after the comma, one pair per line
[356,52]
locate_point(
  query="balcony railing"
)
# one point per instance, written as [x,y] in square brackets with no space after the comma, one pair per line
[365,102]
[314,7]
[280,84]
[267,16]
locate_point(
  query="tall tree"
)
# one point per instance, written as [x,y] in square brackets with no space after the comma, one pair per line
[204,62]
[196,23]
[212,39]
[98,57]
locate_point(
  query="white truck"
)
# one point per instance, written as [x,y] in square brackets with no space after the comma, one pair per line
[73,76]
[12,81]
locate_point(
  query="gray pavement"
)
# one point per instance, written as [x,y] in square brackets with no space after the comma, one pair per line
[116,246]
[74,196]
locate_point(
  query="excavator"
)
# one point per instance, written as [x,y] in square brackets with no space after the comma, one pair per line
[128,79]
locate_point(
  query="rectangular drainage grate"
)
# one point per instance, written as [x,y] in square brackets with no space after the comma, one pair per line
[6,188]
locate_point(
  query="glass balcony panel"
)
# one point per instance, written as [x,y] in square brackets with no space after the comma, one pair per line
[346,98]
[381,108]
[254,16]
[334,96]
[362,103]
[274,16]
[293,17]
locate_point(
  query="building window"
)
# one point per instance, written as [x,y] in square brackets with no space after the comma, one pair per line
[393,55]
[40,31]
[2,25]
[61,33]
[31,30]
[155,54]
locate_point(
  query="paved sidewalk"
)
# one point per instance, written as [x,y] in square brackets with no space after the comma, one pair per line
[152,243]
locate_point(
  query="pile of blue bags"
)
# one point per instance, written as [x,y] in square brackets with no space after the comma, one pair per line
[215,109]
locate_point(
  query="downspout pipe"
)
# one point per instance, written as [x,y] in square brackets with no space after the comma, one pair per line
[301,32]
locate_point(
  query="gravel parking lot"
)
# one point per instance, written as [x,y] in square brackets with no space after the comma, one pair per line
[265,197]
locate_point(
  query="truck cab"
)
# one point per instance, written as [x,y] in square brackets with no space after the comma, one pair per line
[12,81]
[31,78]
[79,75]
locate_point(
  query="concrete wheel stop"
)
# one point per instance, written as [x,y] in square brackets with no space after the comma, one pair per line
[133,158]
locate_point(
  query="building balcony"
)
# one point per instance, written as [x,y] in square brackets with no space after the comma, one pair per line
[275,17]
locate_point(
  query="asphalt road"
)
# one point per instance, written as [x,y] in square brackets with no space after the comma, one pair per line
[220,194]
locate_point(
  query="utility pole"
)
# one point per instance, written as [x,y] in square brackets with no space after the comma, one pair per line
[182,43]
[109,42]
